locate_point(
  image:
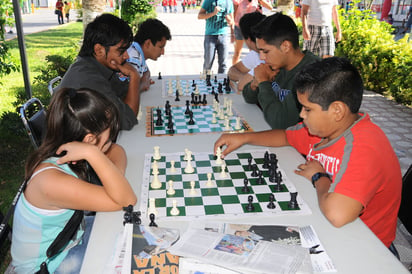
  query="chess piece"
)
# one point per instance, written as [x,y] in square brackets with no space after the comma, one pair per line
[227,124]
[192,191]
[245,188]
[249,163]
[155,184]
[191,121]
[160,76]
[155,168]
[159,121]
[152,218]
[238,125]
[171,191]
[189,168]
[222,171]
[187,111]
[209,182]
[174,211]
[260,179]
[250,207]
[218,156]
[254,170]
[293,204]
[177,96]
[172,166]
[156,153]
[214,121]
[152,207]
[271,204]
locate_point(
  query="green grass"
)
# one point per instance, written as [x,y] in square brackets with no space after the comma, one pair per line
[38,46]
[15,145]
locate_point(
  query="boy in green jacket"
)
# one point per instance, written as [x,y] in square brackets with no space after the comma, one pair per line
[272,88]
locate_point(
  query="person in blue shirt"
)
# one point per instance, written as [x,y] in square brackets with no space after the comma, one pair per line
[219,26]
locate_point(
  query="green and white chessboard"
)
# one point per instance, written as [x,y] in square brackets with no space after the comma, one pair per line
[225,197]
[202,116]
[184,85]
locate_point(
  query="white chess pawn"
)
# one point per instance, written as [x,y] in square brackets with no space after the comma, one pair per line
[172,166]
[192,191]
[152,207]
[189,168]
[209,182]
[214,121]
[223,172]
[155,184]
[238,126]
[171,191]
[174,211]
[218,156]
[155,168]
[156,153]
[227,124]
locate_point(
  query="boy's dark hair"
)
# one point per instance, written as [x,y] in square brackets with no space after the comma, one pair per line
[277,28]
[248,21]
[329,80]
[152,29]
[106,30]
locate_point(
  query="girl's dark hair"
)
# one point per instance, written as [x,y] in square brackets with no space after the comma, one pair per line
[73,114]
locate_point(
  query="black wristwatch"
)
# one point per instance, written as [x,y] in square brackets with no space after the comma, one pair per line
[317,176]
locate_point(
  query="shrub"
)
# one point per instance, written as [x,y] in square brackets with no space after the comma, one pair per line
[385,64]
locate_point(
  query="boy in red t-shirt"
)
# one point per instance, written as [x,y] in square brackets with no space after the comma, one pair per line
[350,161]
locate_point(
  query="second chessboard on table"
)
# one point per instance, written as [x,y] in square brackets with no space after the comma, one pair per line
[205,119]
[207,193]
[198,84]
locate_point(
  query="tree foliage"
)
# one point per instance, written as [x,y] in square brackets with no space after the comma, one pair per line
[136,11]
[385,64]
[6,63]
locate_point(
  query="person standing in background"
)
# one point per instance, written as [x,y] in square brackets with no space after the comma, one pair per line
[219,23]
[242,7]
[317,29]
[67,7]
[59,11]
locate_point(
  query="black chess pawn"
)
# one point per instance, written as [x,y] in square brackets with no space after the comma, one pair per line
[204,101]
[260,179]
[177,95]
[271,204]
[193,83]
[250,207]
[191,121]
[215,79]
[187,111]
[213,91]
[293,204]
[278,186]
[170,127]
[193,98]
[152,218]
[159,121]
[254,170]
[160,76]
[249,163]
[245,188]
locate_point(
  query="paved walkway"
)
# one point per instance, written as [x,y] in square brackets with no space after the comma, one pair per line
[184,55]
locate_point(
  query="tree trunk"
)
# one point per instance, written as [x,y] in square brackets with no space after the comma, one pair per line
[92,9]
[286,7]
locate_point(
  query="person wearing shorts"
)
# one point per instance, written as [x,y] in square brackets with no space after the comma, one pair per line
[317,29]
